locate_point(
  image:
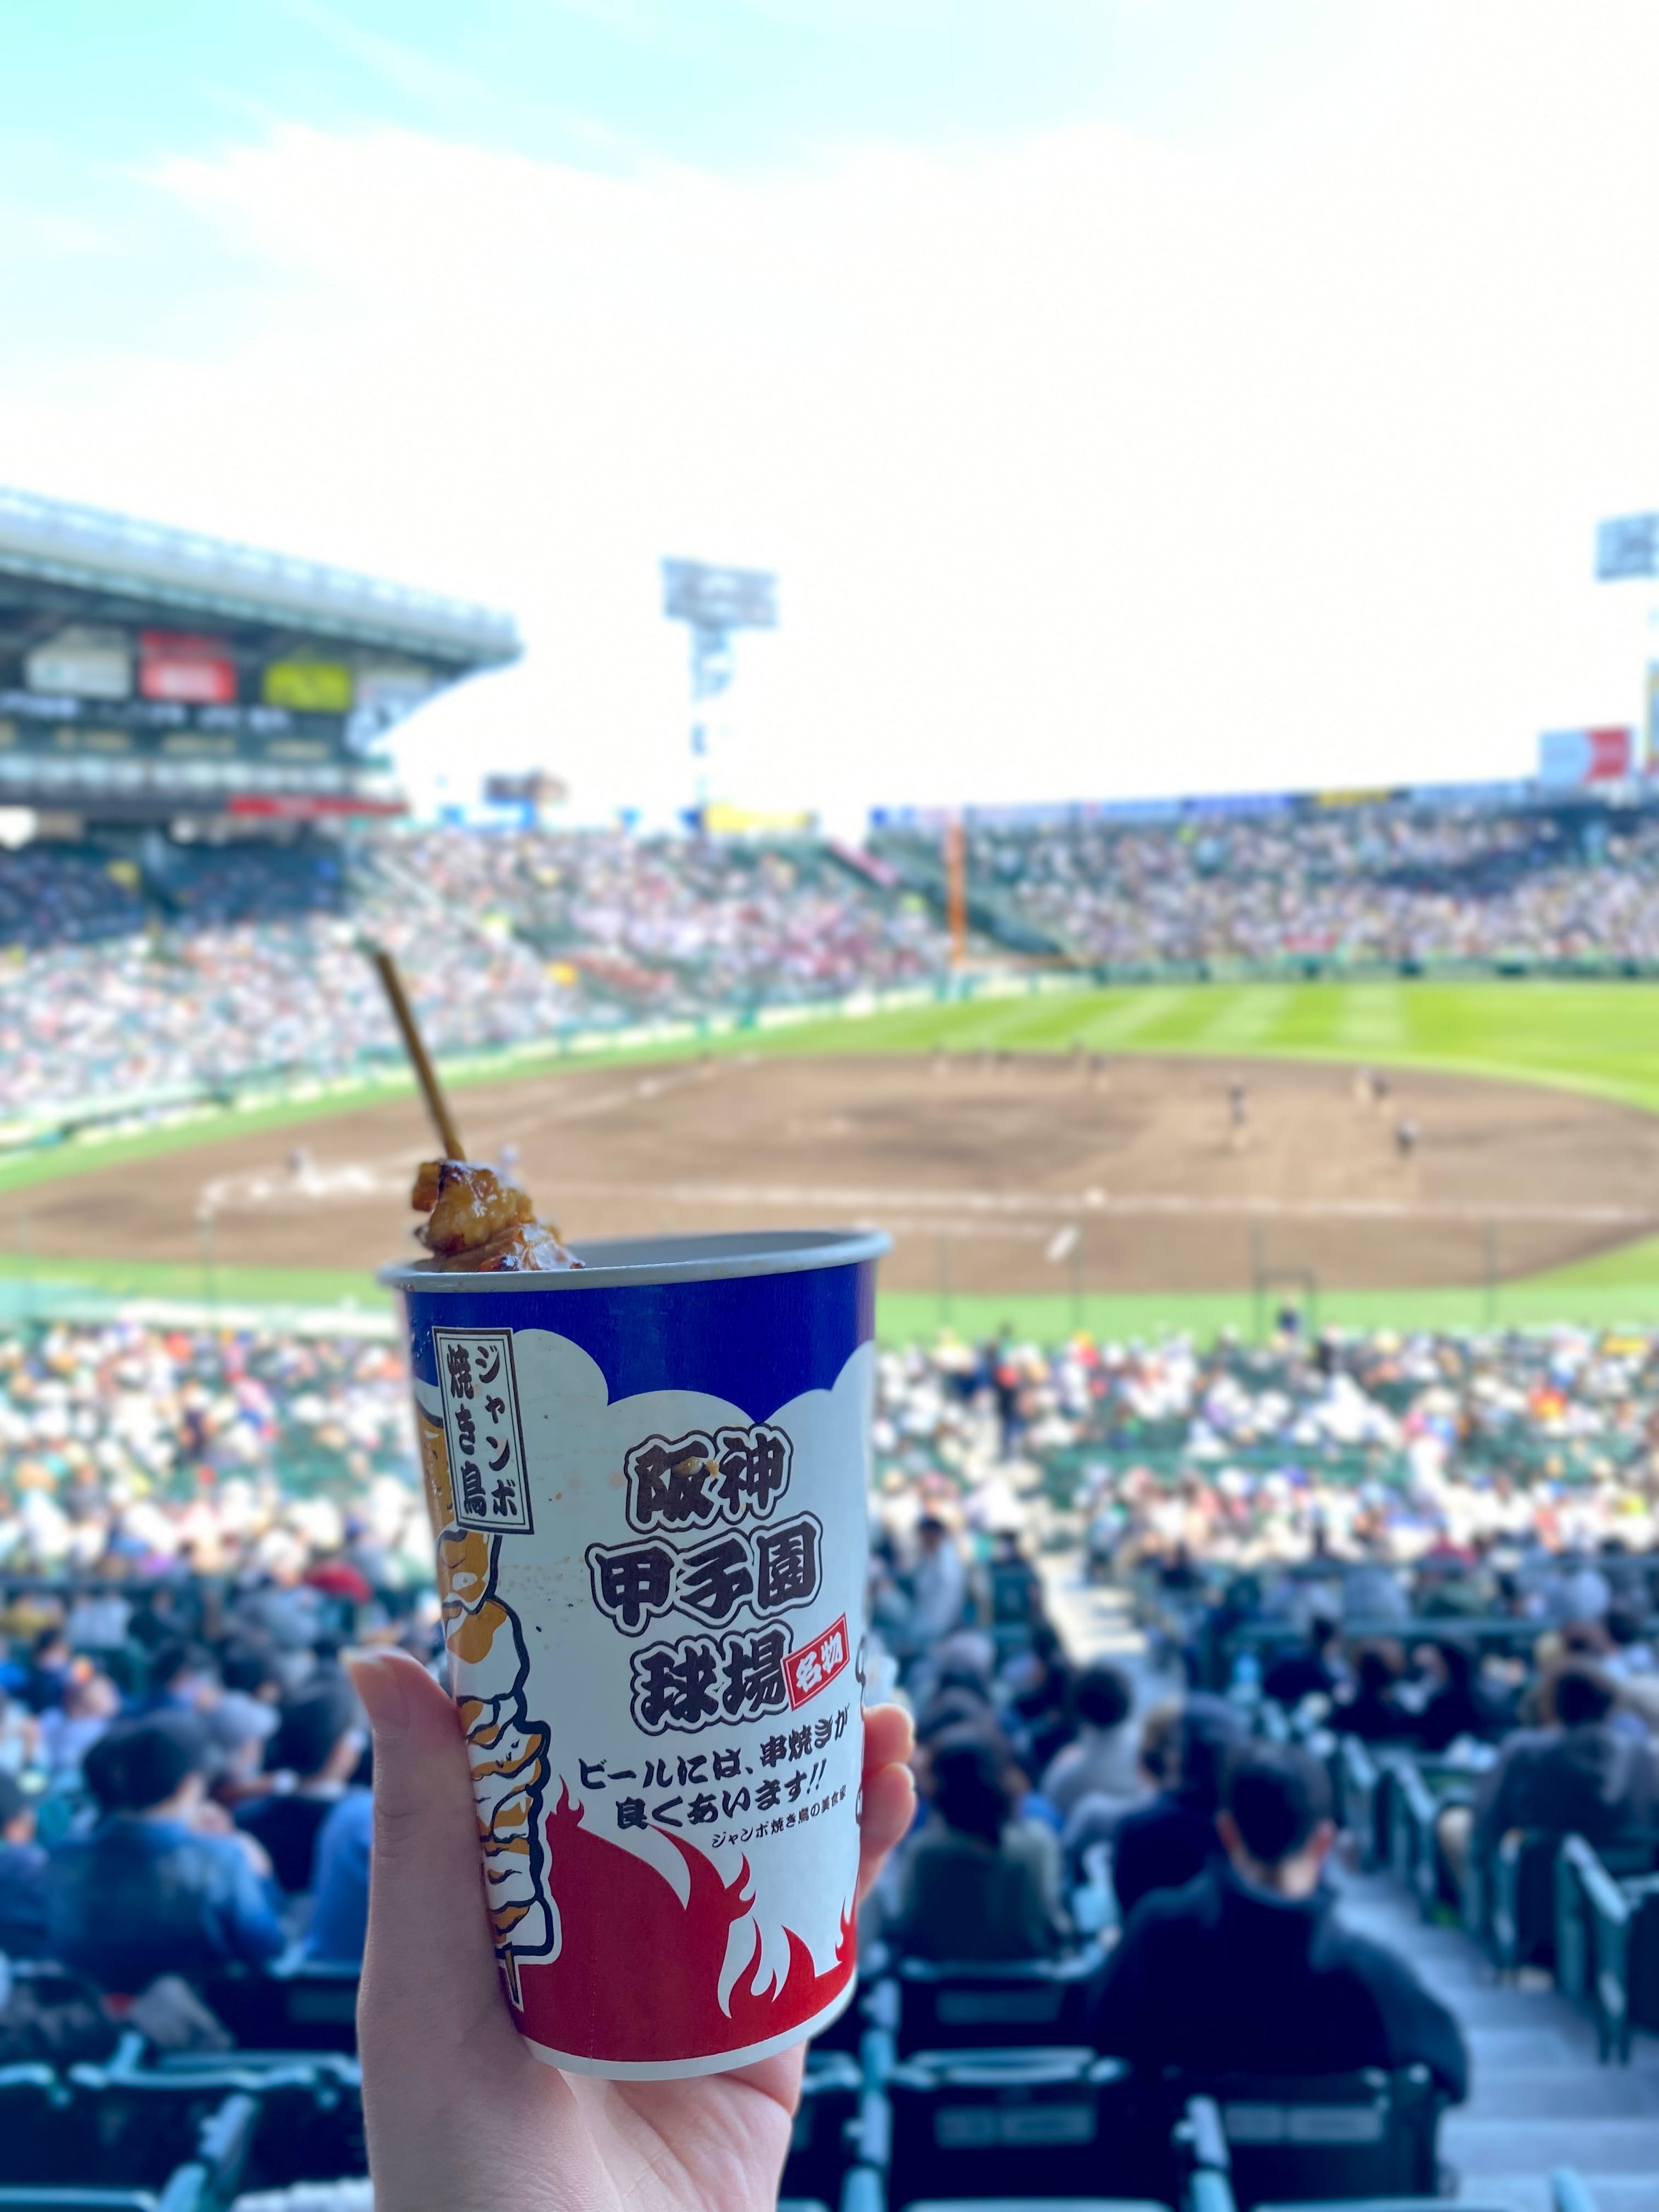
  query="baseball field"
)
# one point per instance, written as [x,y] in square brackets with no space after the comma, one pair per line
[1391,1151]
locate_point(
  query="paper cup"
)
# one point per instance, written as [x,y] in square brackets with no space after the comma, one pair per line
[647,1480]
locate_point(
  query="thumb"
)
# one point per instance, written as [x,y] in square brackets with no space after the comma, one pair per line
[430,2000]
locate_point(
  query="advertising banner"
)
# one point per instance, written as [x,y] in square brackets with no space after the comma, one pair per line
[309,687]
[81,662]
[194,671]
[1585,757]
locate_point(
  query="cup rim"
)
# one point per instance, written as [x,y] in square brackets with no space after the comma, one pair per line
[613,1262]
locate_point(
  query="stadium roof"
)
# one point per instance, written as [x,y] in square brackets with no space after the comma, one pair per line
[153,569]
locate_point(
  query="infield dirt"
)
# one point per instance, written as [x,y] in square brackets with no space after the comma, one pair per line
[995,1173]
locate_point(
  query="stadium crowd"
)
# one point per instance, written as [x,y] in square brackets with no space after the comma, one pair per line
[1349,885]
[196,1528]
[246,960]
[176,968]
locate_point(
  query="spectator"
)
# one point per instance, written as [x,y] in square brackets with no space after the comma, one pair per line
[938,1584]
[49,1661]
[316,1749]
[1101,1761]
[1165,1843]
[91,1702]
[161,1885]
[1373,1713]
[1016,1590]
[1457,1706]
[1248,1969]
[1308,1672]
[20,1734]
[182,1680]
[22,1877]
[975,1881]
[339,1914]
[1583,1775]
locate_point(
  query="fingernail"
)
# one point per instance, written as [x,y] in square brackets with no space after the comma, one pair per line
[379,1682]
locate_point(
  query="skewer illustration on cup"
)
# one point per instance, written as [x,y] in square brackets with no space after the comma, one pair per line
[648,1464]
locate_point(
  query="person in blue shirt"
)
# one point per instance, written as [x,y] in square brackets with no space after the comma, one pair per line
[22,1876]
[339,1915]
[163,1885]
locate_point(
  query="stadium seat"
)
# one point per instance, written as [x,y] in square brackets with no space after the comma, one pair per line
[38,2127]
[300,2114]
[1299,2139]
[828,2133]
[1014,2123]
[354,2196]
[308,2008]
[186,2190]
[1357,1793]
[955,2006]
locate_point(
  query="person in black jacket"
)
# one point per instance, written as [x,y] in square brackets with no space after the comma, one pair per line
[1248,1969]
[1165,1843]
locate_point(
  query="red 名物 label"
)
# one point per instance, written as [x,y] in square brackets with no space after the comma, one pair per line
[807,1670]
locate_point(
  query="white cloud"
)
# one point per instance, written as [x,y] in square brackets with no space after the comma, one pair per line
[1099,466]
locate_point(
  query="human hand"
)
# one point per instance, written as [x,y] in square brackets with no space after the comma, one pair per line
[461,2115]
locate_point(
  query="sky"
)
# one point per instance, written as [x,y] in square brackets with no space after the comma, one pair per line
[1132,396]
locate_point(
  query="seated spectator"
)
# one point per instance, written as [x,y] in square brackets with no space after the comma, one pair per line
[1248,1969]
[1456,1706]
[1038,1684]
[182,1680]
[1101,1762]
[1372,1712]
[67,1731]
[22,1877]
[1581,1775]
[939,1584]
[1094,1819]
[315,1749]
[1016,1591]
[339,1912]
[1164,1844]
[20,1734]
[163,1885]
[976,1882]
[49,1661]
[1307,1672]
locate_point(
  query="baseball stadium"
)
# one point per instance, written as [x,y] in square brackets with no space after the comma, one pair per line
[1265,1445]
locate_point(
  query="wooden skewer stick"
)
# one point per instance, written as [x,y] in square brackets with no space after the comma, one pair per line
[415,1045]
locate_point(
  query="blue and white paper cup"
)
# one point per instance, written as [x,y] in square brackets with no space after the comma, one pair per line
[649,1479]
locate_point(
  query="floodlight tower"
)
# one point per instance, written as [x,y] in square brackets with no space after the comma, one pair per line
[1626,547]
[714,603]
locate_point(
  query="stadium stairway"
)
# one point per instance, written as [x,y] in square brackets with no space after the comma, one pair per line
[1539,2099]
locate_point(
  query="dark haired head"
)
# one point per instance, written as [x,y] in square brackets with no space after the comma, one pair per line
[1458,1662]
[1581,1694]
[136,1765]
[1277,1794]
[1625,1619]
[1210,1730]
[248,1667]
[951,1710]
[1375,1672]
[175,1658]
[310,1728]
[1103,1697]
[1322,1631]
[13,1800]
[970,1791]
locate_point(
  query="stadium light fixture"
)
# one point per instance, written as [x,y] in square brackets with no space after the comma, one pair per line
[714,603]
